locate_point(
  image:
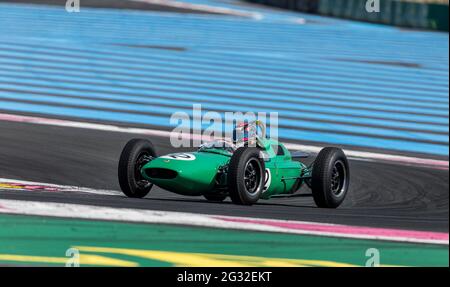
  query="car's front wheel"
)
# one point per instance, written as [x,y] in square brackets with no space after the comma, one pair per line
[330,178]
[136,153]
[246,176]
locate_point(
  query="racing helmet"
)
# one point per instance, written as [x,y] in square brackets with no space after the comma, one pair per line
[244,132]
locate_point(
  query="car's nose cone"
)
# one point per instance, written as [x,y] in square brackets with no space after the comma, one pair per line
[185,173]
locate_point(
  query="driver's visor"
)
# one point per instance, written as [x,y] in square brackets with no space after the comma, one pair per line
[240,134]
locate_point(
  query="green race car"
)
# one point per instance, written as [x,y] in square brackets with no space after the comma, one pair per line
[248,168]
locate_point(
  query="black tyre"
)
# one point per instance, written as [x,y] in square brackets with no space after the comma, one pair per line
[215,197]
[246,173]
[135,154]
[330,178]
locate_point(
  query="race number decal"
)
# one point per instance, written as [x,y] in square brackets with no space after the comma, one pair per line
[180,156]
[268,180]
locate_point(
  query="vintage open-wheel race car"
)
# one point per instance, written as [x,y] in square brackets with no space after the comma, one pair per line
[246,168]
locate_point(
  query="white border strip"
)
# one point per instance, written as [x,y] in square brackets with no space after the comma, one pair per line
[204,220]
[204,8]
[358,155]
[64,210]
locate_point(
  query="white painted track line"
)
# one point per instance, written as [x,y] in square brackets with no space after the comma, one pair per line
[204,8]
[92,212]
[64,210]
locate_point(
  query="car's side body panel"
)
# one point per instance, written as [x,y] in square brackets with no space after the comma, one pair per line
[202,172]
[282,174]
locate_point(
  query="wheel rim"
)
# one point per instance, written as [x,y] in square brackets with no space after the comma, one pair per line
[338,179]
[252,176]
[142,159]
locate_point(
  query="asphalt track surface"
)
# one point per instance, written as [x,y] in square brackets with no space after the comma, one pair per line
[381,195]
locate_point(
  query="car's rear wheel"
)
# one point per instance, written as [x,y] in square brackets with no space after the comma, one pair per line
[246,176]
[330,178]
[136,153]
[215,197]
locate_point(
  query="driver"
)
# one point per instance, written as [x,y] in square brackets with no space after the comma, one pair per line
[243,133]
